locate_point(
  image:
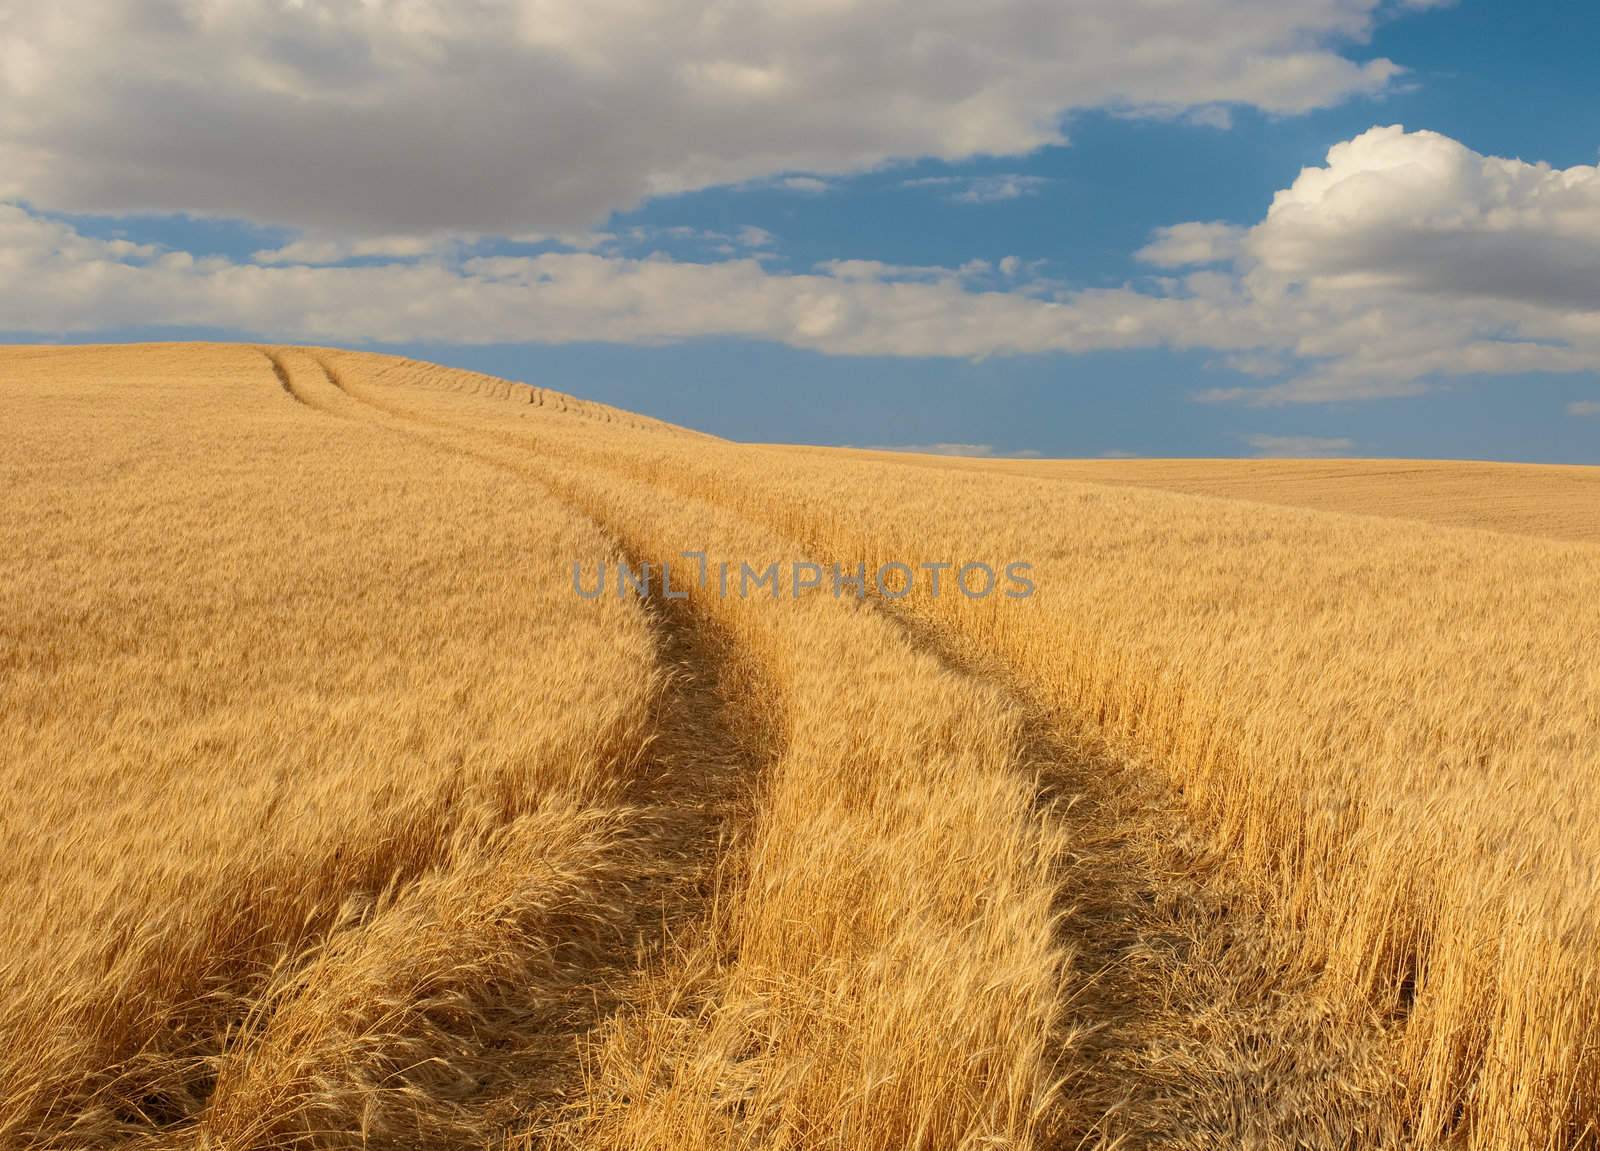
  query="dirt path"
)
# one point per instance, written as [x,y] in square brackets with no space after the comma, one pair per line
[686,800]
[1185,1030]
[1192,1031]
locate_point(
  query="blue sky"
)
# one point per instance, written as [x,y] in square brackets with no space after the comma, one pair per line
[1422,295]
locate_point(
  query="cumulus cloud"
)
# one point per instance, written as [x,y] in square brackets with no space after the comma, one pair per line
[1421,213]
[1193,243]
[1584,408]
[1300,446]
[54,279]
[1408,257]
[416,117]
[1311,300]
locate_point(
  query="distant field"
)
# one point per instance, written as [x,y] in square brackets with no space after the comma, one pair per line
[336,816]
[1558,502]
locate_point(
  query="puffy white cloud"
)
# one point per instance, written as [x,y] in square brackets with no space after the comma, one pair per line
[1424,214]
[1312,300]
[1584,408]
[1409,257]
[1194,243]
[52,279]
[411,117]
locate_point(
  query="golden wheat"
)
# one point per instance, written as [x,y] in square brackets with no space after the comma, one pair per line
[884,971]
[1389,729]
[339,817]
[1551,500]
[264,674]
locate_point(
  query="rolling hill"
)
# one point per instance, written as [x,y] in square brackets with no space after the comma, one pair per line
[340,809]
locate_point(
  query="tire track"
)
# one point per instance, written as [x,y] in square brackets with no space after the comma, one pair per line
[688,801]
[490,387]
[1190,1016]
[282,373]
[308,379]
[677,827]
[574,492]
[1186,1020]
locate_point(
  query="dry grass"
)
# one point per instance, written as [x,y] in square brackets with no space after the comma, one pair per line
[1388,730]
[338,817]
[1548,500]
[274,684]
[883,969]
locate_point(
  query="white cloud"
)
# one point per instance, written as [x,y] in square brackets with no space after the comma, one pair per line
[1313,301]
[1211,116]
[1194,243]
[877,270]
[1424,214]
[983,189]
[54,279]
[309,250]
[1584,408]
[810,185]
[1409,257]
[323,251]
[417,117]
[739,241]
[1300,446]
[577,241]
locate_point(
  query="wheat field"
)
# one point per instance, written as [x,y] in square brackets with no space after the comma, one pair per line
[1552,501]
[336,815]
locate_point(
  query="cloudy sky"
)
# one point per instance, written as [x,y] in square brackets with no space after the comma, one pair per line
[1208,227]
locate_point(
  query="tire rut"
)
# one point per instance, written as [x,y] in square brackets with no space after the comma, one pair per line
[683,807]
[281,371]
[1186,1021]
[1189,1017]
[692,794]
